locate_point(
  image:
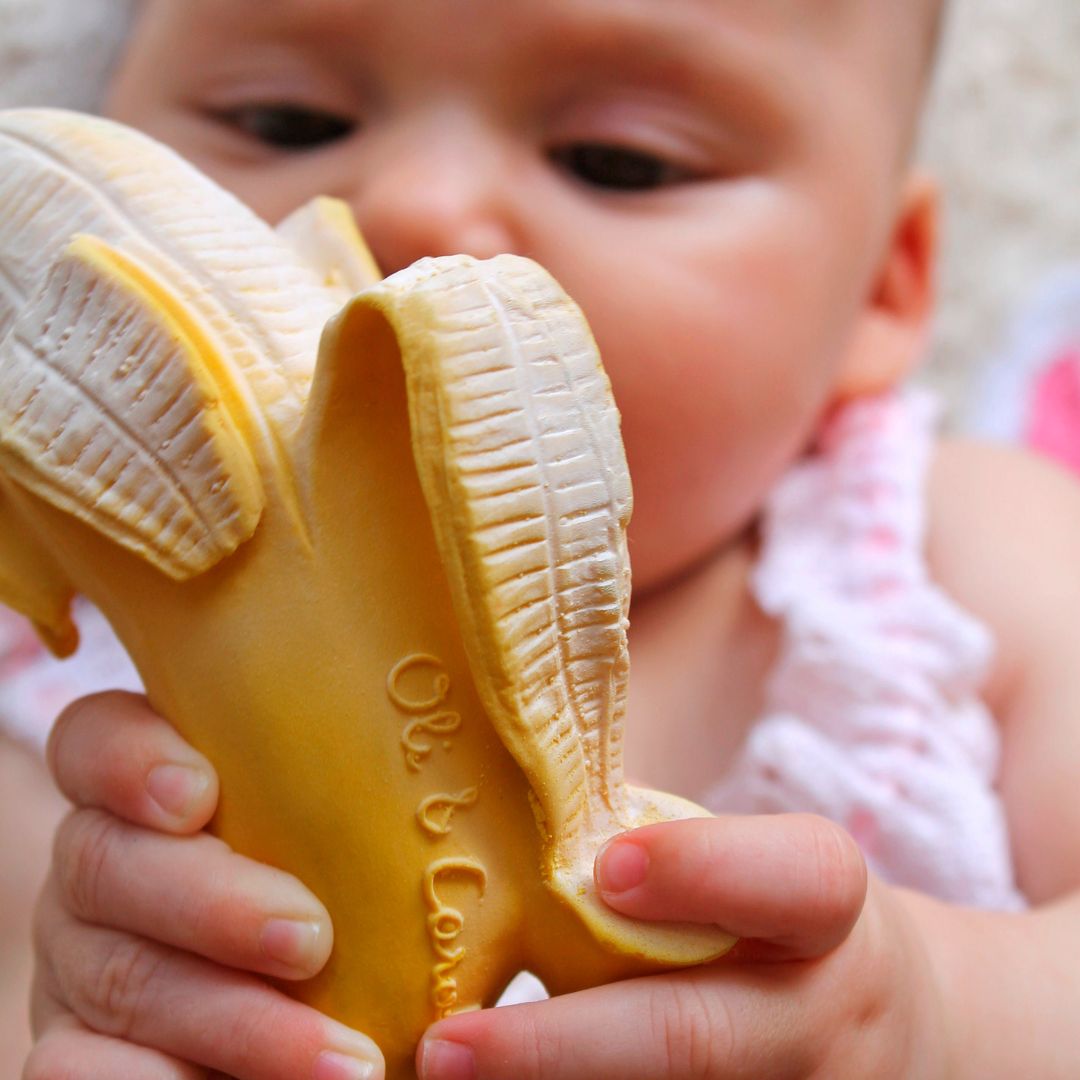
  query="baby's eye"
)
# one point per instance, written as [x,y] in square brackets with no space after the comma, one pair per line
[618,168]
[289,127]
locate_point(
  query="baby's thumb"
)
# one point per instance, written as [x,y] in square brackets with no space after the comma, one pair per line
[792,884]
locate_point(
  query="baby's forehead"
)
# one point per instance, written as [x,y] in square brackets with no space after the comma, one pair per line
[707,23]
[766,17]
[787,45]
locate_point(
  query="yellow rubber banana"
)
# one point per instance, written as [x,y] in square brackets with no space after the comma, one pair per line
[385,593]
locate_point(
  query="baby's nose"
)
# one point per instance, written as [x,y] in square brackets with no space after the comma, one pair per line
[437,189]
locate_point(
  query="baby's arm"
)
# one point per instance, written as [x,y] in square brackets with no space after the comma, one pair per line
[1005,540]
[147,927]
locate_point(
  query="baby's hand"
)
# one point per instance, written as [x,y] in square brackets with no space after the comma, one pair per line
[829,978]
[147,927]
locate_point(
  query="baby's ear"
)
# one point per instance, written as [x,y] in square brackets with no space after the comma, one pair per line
[891,335]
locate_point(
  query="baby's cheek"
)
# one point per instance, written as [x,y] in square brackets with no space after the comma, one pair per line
[688,505]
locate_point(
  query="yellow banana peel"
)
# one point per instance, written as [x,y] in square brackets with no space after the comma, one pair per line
[364,540]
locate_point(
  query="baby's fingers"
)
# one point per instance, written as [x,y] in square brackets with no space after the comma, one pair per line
[692,1025]
[793,884]
[71,1051]
[193,892]
[114,752]
[134,990]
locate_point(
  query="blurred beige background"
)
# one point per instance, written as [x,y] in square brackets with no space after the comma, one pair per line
[1003,133]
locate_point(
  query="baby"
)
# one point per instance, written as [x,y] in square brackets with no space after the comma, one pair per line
[724,186]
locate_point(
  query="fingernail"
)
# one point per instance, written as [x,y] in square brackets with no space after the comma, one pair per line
[176,788]
[621,866]
[443,1060]
[352,1056]
[330,1065]
[292,942]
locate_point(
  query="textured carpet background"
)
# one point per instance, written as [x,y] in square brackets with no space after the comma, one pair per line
[58,52]
[1003,134]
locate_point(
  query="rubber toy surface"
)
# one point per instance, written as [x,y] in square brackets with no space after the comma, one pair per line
[364,540]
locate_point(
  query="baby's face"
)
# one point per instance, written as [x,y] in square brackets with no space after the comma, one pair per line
[714,181]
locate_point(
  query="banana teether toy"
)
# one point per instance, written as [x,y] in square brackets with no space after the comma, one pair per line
[364,540]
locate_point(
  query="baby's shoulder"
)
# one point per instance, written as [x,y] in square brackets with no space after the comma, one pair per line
[1003,538]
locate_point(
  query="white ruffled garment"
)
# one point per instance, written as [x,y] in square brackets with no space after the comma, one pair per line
[873,714]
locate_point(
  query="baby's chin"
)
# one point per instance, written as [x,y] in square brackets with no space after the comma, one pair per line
[663,558]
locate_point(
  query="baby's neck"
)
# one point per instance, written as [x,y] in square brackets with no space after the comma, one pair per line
[701,649]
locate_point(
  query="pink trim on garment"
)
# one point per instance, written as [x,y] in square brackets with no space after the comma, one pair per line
[35,687]
[1053,420]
